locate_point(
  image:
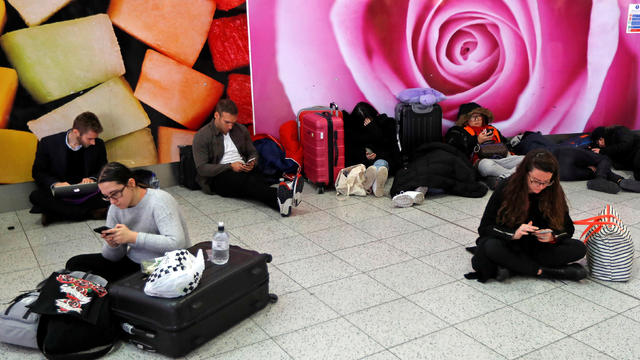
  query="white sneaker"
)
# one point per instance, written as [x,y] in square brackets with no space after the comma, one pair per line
[381,179]
[369,177]
[408,198]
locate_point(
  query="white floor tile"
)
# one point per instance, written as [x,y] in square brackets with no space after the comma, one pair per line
[567,349]
[352,294]
[510,332]
[396,322]
[337,238]
[317,270]
[447,344]
[265,350]
[293,311]
[372,255]
[410,277]
[357,212]
[386,227]
[421,243]
[601,295]
[563,311]
[616,337]
[335,339]
[455,302]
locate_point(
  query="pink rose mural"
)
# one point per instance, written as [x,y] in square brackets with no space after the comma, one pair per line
[547,65]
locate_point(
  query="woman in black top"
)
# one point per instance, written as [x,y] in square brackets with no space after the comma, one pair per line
[526,227]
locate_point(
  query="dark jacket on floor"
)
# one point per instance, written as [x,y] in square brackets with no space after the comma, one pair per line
[439,165]
[621,145]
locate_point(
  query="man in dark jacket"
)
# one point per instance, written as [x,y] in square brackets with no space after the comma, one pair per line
[225,160]
[70,157]
[621,145]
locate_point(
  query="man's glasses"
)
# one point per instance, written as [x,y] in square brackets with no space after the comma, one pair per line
[114,195]
[534,181]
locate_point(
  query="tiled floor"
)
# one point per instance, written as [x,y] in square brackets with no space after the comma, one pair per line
[359,279]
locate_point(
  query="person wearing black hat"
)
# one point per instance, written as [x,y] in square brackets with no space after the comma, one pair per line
[621,145]
[471,131]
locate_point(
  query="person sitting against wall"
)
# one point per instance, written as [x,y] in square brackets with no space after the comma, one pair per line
[471,131]
[70,157]
[226,160]
[143,223]
[371,140]
[620,144]
[526,228]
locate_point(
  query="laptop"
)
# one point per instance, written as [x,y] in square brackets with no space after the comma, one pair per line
[74,191]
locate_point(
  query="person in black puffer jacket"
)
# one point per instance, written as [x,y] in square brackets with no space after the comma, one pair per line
[370,139]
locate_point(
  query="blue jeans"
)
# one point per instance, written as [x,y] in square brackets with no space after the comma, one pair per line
[381,163]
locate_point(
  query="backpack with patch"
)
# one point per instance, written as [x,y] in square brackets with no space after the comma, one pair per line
[75,319]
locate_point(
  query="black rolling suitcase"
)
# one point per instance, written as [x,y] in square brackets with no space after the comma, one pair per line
[417,126]
[226,295]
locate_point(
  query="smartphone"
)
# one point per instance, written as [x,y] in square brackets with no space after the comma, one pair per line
[545,231]
[100,229]
[250,160]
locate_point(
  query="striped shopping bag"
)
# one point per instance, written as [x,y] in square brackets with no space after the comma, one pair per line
[609,246]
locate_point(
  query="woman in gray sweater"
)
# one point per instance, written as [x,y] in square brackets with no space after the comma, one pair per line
[143,223]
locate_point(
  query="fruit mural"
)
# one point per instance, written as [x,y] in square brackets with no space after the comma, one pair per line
[152,71]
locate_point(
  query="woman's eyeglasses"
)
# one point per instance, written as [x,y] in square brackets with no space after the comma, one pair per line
[535,181]
[114,195]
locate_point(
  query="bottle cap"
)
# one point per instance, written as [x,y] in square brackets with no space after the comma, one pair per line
[221,226]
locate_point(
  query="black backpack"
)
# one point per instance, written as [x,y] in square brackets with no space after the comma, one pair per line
[187,172]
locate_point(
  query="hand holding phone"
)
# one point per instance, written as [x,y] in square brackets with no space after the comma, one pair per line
[543,231]
[251,160]
[100,229]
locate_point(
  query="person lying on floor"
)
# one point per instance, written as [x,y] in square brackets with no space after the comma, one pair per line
[526,228]
[579,164]
[143,224]
[472,131]
[370,139]
[621,145]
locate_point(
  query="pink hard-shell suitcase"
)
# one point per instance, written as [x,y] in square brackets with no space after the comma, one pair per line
[321,132]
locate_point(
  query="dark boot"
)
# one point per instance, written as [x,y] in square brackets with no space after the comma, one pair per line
[604,185]
[569,272]
[629,185]
[502,274]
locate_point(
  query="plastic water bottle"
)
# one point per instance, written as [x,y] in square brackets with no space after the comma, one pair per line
[220,246]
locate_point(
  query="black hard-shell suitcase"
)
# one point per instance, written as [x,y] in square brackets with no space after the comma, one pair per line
[417,125]
[226,295]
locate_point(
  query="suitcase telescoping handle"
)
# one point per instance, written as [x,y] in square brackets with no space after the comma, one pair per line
[132,330]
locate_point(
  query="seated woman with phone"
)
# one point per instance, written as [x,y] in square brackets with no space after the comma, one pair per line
[142,224]
[473,135]
[526,228]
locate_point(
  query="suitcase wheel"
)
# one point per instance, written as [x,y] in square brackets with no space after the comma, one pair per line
[273,298]
[268,258]
[320,189]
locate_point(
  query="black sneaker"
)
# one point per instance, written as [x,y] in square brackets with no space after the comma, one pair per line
[502,274]
[604,185]
[285,198]
[573,271]
[630,185]
[297,185]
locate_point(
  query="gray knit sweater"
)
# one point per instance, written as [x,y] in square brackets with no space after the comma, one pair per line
[159,224]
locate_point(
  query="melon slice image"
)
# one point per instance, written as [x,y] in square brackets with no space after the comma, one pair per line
[18,149]
[176,28]
[113,102]
[229,42]
[182,94]
[132,150]
[35,12]
[8,87]
[239,90]
[168,141]
[58,59]
[3,16]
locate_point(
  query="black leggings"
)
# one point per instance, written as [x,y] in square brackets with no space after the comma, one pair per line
[97,264]
[527,255]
